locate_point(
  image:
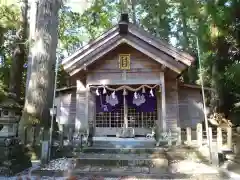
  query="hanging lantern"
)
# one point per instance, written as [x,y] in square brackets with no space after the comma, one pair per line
[135,95]
[151,93]
[104,90]
[143,90]
[97,92]
[113,95]
[124,92]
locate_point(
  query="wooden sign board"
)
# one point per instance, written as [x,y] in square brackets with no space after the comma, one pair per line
[124,61]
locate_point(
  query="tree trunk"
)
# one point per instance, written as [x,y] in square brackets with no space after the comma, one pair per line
[133,3]
[19,55]
[39,92]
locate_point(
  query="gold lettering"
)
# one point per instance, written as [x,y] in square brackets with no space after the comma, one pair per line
[124,61]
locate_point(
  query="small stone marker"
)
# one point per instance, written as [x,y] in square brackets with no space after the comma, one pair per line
[219,139]
[179,140]
[199,134]
[45,152]
[214,150]
[169,138]
[189,136]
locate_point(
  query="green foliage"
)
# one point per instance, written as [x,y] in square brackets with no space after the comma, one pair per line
[62,78]
[9,22]
[215,23]
[2,91]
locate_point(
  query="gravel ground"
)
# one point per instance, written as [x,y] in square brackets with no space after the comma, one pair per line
[194,170]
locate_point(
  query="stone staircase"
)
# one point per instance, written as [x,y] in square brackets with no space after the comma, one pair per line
[118,157]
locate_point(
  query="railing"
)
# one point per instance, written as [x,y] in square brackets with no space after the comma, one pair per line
[221,136]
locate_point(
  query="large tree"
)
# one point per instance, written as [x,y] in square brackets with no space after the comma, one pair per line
[43,44]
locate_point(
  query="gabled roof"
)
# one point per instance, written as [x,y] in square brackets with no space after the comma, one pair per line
[127,33]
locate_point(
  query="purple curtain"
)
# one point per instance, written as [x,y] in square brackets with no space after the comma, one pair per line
[144,102]
[106,102]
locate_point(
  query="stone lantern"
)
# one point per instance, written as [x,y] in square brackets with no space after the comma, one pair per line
[13,158]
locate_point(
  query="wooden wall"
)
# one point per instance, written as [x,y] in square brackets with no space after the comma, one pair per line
[66,107]
[81,122]
[171,104]
[107,68]
[190,107]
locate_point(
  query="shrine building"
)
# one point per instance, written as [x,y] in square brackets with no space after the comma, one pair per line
[125,82]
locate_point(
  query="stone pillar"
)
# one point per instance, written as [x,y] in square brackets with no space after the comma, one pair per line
[219,138]
[179,140]
[199,134]
[229,137]
[189,136]
[163,98]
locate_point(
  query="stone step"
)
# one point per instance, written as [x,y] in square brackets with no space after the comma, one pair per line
[120,150]
[124,160]
[233,157]
[127,174]
[140,172]
[141,156]
[123,144]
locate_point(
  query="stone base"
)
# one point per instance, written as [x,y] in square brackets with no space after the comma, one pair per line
[13,159]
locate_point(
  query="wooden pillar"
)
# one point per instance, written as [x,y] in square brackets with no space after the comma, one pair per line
[158,122]
[163,98]
[229,137]
[70,135]
[61,138]
[189,135]
[86,107]
[199,134]
[125,112]
[178,114]
[219,138]
[80,118]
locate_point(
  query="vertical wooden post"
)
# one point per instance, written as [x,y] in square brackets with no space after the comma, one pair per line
[189,135]
[179,139]
[87,105]
[45,152]
[61,135]
[159,109]
[199,134]
[25,135]
[125,113]
[41,134]
[163,98]
[219,138]
[229,137]
[70,135]
[34,135]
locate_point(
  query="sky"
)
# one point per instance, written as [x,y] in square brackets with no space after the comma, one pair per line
[76,5]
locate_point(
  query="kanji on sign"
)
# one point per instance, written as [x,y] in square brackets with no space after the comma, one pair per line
[124,61]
